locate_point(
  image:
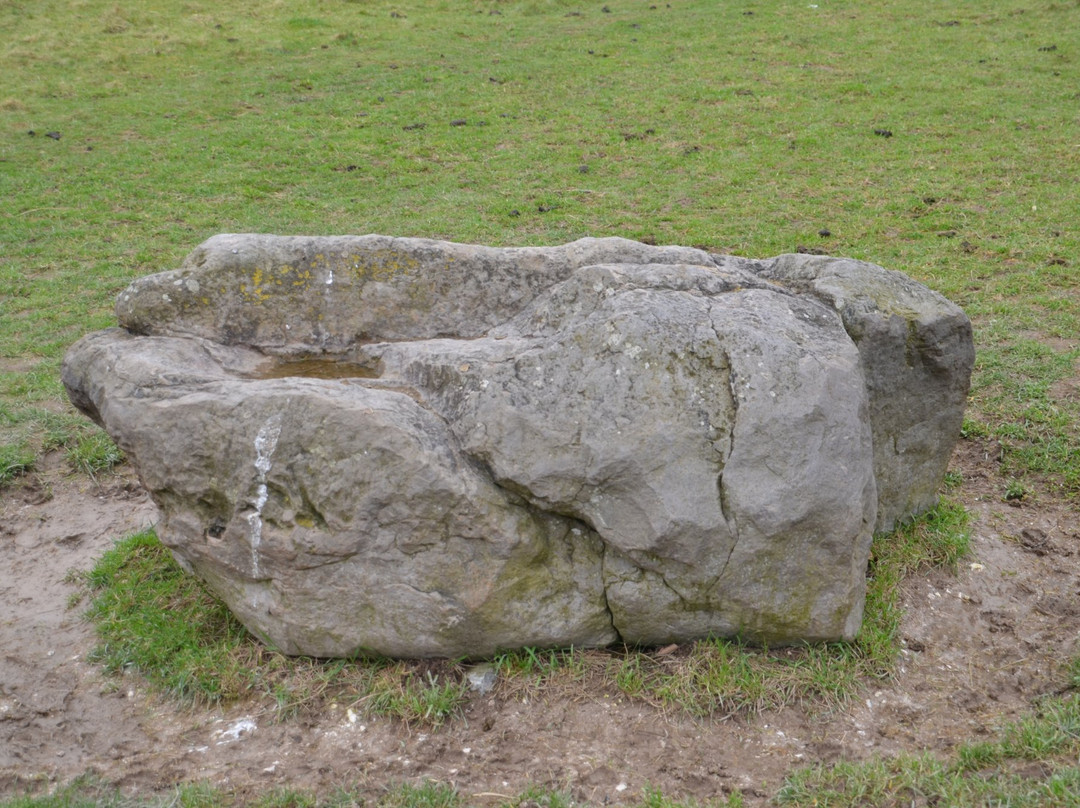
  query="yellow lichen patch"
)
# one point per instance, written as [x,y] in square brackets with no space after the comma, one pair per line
[264,282]
[381,265]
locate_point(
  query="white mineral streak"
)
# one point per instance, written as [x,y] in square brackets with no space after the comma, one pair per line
[265,443]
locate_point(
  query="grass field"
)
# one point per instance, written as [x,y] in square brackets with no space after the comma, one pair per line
[133,131]
[938,139]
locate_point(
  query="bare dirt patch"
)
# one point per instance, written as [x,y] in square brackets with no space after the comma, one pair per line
[979,647]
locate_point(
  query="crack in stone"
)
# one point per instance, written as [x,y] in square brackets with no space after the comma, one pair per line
[604,589]
[317,560]
[682,598]
[522,497]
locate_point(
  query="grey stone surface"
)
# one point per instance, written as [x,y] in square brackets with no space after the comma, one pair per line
[418,448]
[917,354]
[300,294]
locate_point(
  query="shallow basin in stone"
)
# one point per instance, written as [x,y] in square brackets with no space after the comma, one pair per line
[314,368]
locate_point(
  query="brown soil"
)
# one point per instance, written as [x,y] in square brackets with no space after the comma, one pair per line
[980,646]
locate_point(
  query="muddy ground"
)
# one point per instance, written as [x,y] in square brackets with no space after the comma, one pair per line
[980,646]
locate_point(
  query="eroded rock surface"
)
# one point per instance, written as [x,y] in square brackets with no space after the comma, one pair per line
[419,448]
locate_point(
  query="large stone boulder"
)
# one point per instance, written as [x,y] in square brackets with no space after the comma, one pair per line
[419,448]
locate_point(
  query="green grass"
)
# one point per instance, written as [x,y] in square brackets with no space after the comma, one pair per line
[155,620]
[15,460]
[400,691]
[653,798]
[991,773]
[720,678]
[93,453]
[87,792]
[692,122]
[536,667]
[33,430]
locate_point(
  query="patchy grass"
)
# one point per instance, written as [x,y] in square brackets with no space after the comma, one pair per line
[86,792]
[36,430]
[986,773]
[939,538]
[401,690]
[155,620]
[93,453]
[15,460]
[129,135]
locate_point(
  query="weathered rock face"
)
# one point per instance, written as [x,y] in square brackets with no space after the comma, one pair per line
[418,448]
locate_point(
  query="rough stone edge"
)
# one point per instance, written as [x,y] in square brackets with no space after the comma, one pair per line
[928,318]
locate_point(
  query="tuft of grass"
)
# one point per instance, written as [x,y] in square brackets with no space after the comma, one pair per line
[15,460]
[425,795]
[39,430]
[299,685]
[402,691]
[86,791]
[972,428]
[654,798]
[541,663]
[1073,673]
[284,797]
[1015,491]
[721,677]
[953,480]
[538,797]
[93,453]
[59,431]
[199,795]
